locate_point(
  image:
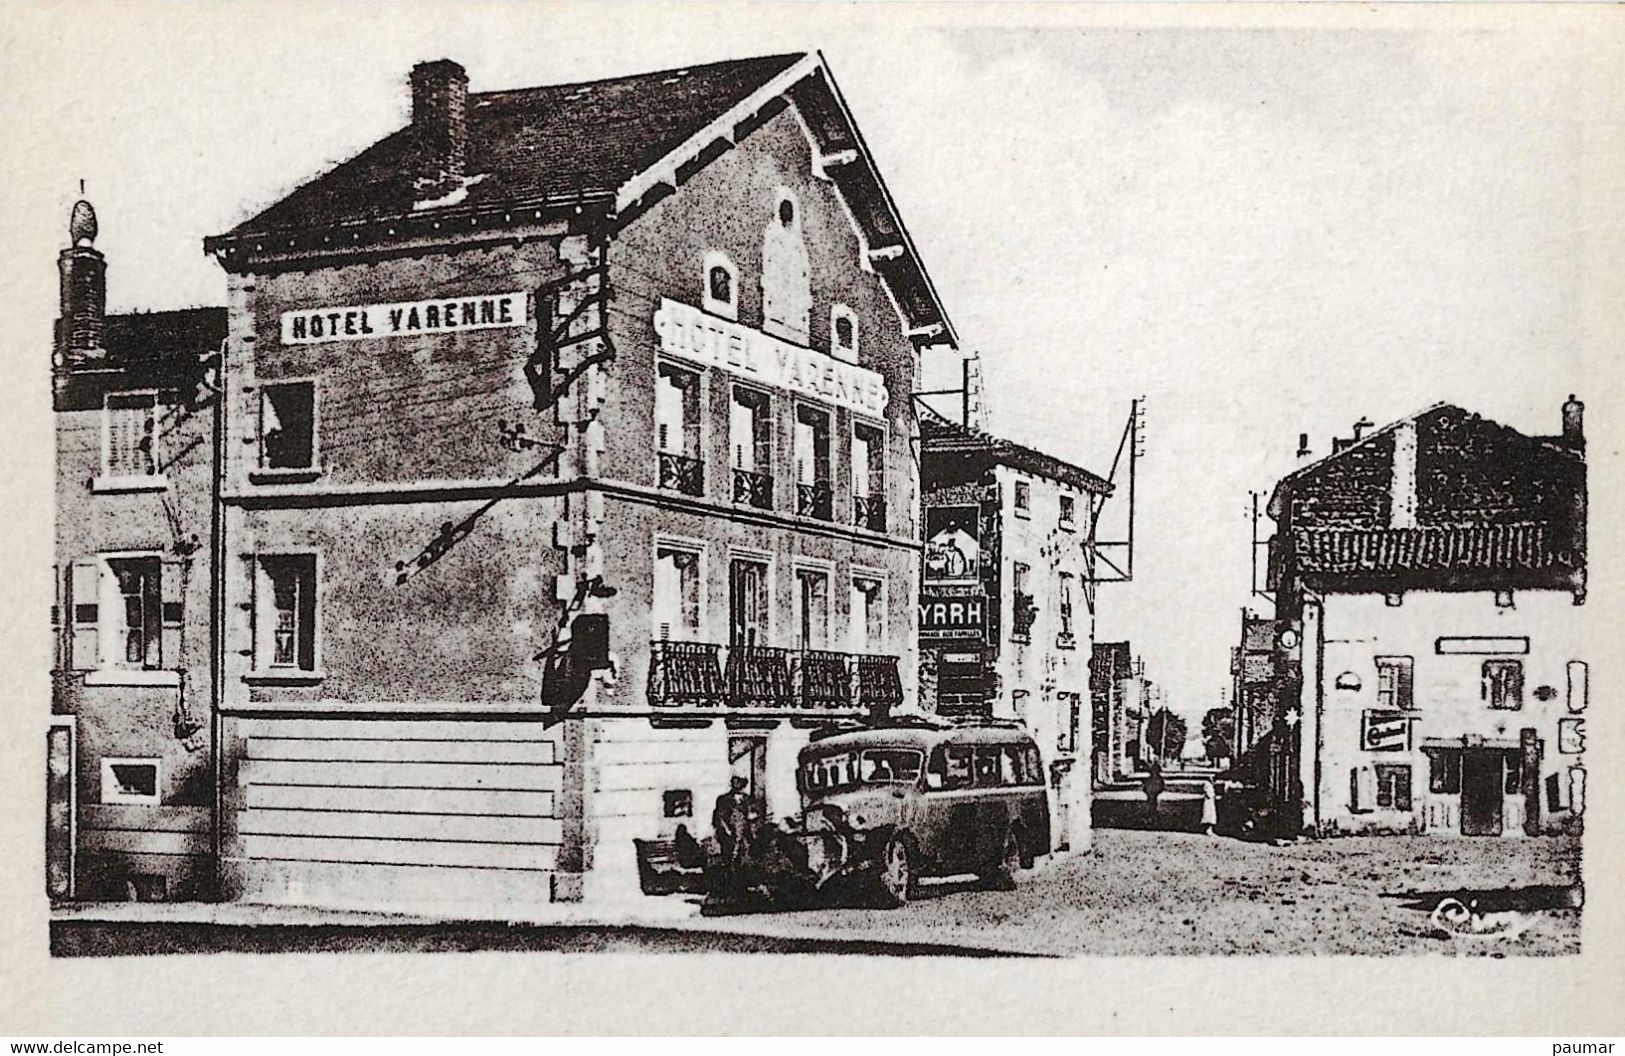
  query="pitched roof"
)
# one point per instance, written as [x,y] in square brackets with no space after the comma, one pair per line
[942,435]
[144,350]
[612,146]
[1451,548]
[553,144]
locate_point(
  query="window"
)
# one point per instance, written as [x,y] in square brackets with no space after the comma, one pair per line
[288,425]
[1024,498]
[130,435]
[677,593]
[1395,680]
[747,602]
[1019,699]
[1444,771]
[868,477]
[721,286]
[986,763]
[133,781]
[868,614]
[132,630]
[677,429]
[950,767]
[1066,609]
[814,497]
[285,613]
[843,333]
[750,447]
[1069,506]
[1394,787]
[1022,611]
[1502,684]
[677,803]
[1513,783]
[812,608]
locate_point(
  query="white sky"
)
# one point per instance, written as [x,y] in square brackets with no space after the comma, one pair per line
[1263,230]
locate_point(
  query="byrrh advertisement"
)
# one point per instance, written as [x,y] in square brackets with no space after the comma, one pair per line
[953,547]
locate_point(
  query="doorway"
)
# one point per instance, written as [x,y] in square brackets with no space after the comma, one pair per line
[1481,782]
[747,758]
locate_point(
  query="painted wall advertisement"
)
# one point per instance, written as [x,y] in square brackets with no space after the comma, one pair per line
[953,547]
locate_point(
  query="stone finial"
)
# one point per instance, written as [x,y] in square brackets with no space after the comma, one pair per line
[82,229]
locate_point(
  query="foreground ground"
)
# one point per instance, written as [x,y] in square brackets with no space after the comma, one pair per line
[1135,892]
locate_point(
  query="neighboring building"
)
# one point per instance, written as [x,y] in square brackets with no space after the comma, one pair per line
[1435,570]
[131,782]
[1119,694]
[568,472]
[1006,623]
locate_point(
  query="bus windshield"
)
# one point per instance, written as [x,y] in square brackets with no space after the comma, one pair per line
[870,766]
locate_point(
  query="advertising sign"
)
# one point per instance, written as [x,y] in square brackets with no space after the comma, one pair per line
[363,322]
[953,548]
[1385,731]
[950,616]
[687,331]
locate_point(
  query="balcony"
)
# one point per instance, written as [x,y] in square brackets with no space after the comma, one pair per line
[753,489]
[681,473]
[694,675]
[869,511]
[815,500]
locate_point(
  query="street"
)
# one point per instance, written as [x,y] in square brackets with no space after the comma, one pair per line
[1136,892]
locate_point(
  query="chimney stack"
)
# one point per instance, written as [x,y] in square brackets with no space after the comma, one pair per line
[1574,435]
[440,125]
[1303,446]
[84,292]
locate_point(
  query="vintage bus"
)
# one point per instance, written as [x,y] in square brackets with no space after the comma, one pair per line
[896,803]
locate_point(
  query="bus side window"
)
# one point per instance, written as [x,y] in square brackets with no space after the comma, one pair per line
[959,765]
[987,766]
[936,770]
[1010,766]
[1035,766]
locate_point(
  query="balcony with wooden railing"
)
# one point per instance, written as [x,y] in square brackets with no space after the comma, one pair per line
[763,679]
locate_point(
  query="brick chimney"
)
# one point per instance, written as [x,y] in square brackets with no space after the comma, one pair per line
[84,293]
[440,125]
[1574,434]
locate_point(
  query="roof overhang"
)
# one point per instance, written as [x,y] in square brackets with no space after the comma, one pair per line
[842,157]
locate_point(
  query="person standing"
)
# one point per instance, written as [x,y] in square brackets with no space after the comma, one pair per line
[730,823]
[1210,808]
[1153,790]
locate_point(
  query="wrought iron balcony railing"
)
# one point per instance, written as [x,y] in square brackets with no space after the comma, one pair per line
[705,675]
[681,473]
[869,511]
[753,489]
[815,500]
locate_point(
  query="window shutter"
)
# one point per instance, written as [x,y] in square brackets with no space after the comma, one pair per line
[173,601]
[84,579]
[1404,692]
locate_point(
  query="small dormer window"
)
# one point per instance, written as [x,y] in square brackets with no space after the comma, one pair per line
[721,286]
[843,333]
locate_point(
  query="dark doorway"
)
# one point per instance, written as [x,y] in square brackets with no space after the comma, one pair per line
[1481,779]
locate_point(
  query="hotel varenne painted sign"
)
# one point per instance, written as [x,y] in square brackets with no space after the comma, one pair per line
[688,332]
[443,315]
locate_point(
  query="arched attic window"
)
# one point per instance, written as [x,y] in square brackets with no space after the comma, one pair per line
[720,286]
[843,333]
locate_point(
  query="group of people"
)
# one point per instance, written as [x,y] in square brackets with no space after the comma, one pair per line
[1153,786]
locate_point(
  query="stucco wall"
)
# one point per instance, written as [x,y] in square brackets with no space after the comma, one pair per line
[1449,702]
